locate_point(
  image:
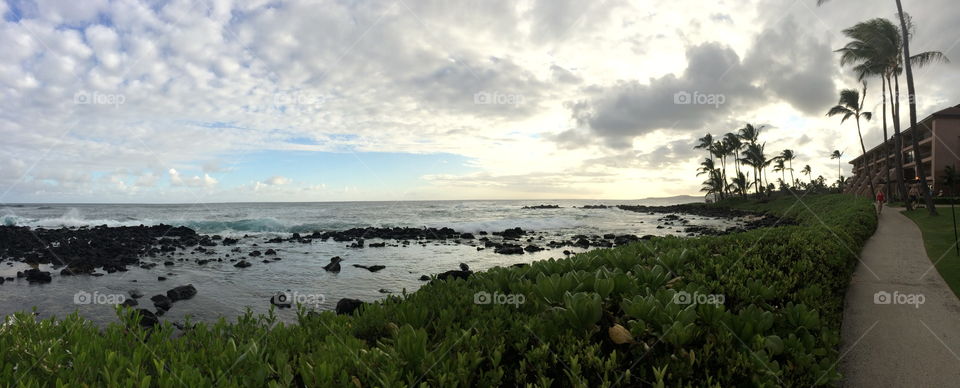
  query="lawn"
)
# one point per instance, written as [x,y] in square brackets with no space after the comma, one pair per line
[939,240]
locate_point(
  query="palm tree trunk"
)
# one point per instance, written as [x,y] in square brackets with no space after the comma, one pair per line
[886,140]
[897,141]
[913,112]
[873,192]
[792,180]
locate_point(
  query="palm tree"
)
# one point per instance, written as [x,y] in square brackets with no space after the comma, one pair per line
[733,145]
[807,171]
[874,50]
[750,133]
[706,167]
[720,151]
[781,167]
[714,183]
[851,105]
[788,155]
[739,184]
[705,143]
[754,157]
[919,60]
[837,155]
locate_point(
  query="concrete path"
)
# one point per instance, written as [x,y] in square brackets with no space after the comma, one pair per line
[890,339]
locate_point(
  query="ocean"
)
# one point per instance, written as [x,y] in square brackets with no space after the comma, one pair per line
[227,291]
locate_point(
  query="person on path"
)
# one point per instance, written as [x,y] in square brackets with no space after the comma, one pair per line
[880,200]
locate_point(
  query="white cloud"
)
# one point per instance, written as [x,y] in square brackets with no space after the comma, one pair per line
[199,83]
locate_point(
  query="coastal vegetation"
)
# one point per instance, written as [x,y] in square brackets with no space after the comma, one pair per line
[758,308]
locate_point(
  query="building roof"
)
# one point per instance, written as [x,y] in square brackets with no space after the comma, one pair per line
[953,111]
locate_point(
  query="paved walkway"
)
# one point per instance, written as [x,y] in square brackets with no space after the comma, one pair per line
[899,345]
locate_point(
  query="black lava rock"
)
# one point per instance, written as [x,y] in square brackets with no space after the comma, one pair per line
[182,292]
[347,306]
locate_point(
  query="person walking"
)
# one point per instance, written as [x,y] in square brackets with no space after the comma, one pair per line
[880,200]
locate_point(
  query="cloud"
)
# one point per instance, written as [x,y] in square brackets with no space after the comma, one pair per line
[277,180]
[206,181]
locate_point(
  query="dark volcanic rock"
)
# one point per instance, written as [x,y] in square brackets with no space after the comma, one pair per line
[542,207]
[148,318]
[129,302]
[270,252]
[181,293]
[424,278]
[34,275]
[242,264]
[464,267]
[334,265]
[377,245]
[467,236]
[347,306]
[372,268]
[532,248]
[454,274]
[282,299]
[509,249]
[161,302]
[511,234]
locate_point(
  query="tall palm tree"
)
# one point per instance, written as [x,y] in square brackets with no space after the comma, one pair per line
[733,146]
[705,143]
[922,59]
[706,167]
[754,157]
[851,105]
[739,184]
[874,51]
[912,100]
[807,171]
[720,151]
[714,183]
[788,155]
[780,166]
[750,133]
[837,154]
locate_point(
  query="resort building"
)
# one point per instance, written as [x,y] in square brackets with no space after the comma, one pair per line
[939,136]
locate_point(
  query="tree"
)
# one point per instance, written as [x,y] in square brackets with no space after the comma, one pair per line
[807,171]
[733,145]
[705,143]
[754,157]
[714,183]
[921,60]
[788,155]
[837,154]
[781,167]
[851,105]
[739,184]
[706,167]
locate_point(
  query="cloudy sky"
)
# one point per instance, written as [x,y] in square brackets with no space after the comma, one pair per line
[219,100]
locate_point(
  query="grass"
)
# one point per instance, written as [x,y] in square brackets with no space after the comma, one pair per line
[608,317]
[939,240]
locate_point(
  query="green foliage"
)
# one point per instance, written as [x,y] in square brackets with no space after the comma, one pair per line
[778,324]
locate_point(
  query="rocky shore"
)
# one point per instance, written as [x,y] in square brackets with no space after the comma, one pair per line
[96,251]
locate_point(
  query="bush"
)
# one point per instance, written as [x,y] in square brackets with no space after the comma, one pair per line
[603,318]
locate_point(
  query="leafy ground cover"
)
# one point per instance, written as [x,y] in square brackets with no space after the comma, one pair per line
[760,308]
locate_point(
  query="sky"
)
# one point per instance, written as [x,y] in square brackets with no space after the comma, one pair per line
[220,100]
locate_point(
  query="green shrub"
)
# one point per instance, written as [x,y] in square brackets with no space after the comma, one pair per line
[778,323]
